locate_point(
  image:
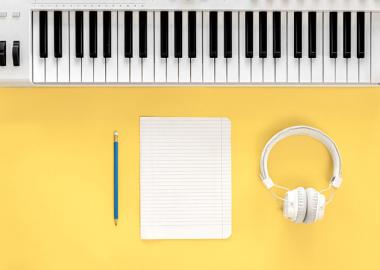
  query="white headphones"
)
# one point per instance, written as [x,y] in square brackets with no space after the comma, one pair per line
[303,205]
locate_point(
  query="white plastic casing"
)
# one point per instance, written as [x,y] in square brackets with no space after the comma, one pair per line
[19,27]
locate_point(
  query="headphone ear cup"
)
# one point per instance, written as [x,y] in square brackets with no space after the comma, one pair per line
[315,205]
[295,205]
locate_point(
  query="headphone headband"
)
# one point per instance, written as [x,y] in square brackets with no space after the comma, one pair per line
[336,180]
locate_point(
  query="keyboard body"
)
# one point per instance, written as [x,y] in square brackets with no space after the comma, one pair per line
[208,42]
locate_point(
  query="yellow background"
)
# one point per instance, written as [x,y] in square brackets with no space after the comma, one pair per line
[56,206]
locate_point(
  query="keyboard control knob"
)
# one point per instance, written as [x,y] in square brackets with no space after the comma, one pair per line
[3,53]
[16,53]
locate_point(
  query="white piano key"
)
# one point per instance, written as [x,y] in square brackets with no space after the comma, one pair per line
[365,63]
[268,63]
[353,63]
[257,63]
[244,63]
[220,61]
[64,62]
[87,61]
[197,63]
[75,63]
[375,53]
[282,63]
[184,62]
[208,63]
[305,61]
[135,61]
[111,63]
[159,63]
[38,63]
[172,62]
[148,62]
[233,63]
[317,63]
[341,63]
[293,63]
[51,61]
[100,61]
[328,63]
[123,62]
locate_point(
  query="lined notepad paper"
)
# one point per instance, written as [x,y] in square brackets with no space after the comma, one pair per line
[185,178]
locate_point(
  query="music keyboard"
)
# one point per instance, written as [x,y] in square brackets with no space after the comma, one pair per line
[189,42]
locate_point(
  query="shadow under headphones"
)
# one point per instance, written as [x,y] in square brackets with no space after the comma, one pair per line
[303,205]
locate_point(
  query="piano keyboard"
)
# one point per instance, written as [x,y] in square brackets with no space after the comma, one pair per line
[72,46]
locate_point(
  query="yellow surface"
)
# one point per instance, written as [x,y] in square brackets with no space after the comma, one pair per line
[56,178]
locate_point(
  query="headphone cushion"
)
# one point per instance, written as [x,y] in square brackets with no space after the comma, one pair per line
[302,204]
[295,205]
[313,201]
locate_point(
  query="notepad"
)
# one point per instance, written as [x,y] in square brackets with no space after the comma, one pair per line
[185,178]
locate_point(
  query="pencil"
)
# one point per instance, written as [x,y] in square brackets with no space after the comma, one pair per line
[115,176]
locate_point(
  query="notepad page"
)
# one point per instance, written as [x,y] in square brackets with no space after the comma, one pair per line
[185,178]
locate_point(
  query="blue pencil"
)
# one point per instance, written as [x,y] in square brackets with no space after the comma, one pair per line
[115,176]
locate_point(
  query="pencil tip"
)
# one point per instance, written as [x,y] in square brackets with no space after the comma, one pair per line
[115,222]
[115,133]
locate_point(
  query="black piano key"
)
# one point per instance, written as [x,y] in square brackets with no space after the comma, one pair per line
[128,34]
[228,34]
[333,35]
[164,39]
[276,34]
[346,34]
[262,34]
[192,31]
[249,34]
[213,34]
[143,34]
[107,37]
[58,34]
[312,34]
[360,23]
[79,34]
[3,53]
[93,28]
[297,34]
[16,53]
[43,34]
[178,34]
